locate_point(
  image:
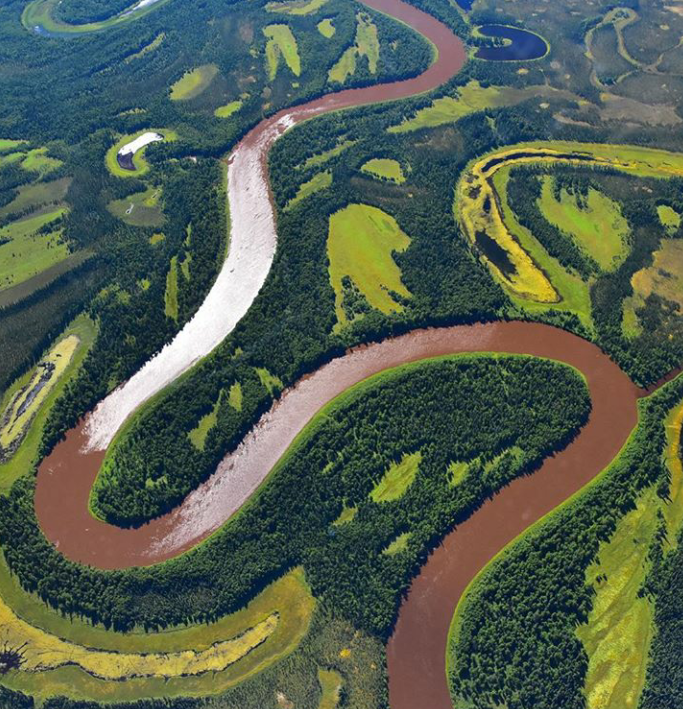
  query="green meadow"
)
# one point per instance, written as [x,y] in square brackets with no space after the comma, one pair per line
[193,82]
[398,478]
[361,243]
[326,28]
[281,43]
[295,7]
[384,169]
[24,253]
[318,182]
[597,226]
[140,208]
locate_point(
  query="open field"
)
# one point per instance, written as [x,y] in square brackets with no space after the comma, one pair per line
[397,545]
[84,330]
[360,245]
[366,45]
[295,7]
[193,82]
[25,253]
[326,155]
[669,218]
[228,110]
[318,182]
[37,195]
[154,44]
[384,169]
[141,165]
[39,14]
[326,28]
[213,656]
[331,683]
[398,478]
[619,630]
[171,294]
[9,144]
[198,434]
[281,43]
[140,208]
[24,405]
[664,278]
[31,160]
[597,226]
[345,67]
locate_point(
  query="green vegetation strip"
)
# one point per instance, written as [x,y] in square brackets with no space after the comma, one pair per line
[39,14]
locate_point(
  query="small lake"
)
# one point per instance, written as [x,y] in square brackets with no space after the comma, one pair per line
[522,45]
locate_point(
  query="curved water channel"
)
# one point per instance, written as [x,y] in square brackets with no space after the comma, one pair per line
[416,651]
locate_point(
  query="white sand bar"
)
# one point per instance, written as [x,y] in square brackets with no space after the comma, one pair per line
[253,239]
[140,142]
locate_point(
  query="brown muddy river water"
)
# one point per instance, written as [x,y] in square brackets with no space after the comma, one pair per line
[416,651]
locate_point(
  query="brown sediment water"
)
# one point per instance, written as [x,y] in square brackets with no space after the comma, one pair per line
[253,234]
[416,653]
[66,476]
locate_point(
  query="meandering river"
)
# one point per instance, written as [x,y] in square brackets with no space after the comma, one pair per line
[416,652]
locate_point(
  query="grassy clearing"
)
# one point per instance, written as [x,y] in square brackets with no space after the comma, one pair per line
[235,396]
[385,169]
[280,615]
[26,253]
[397,479]
[664,277]
[598,226]
[619,630]
[367,40]
[37,195]
[141,165]
[318,182]
[673,511]
[457,472]
[345,67]
[39,13]
[171,293]
[270,381]
[360,245]
[198,434]
[38,160]
[326,28]
[398,545]
[347,515]
[326,155]
[228,110]
[34,160]
[193,82]
[154,44]
[281,43]
[470,98]
[366,45]
[620,625]
[331,683]
[9,144]
[669,218]
[16,418]
[26,454]
[139,209]
[295,7]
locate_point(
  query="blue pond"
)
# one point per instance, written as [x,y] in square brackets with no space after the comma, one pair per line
[522,45]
